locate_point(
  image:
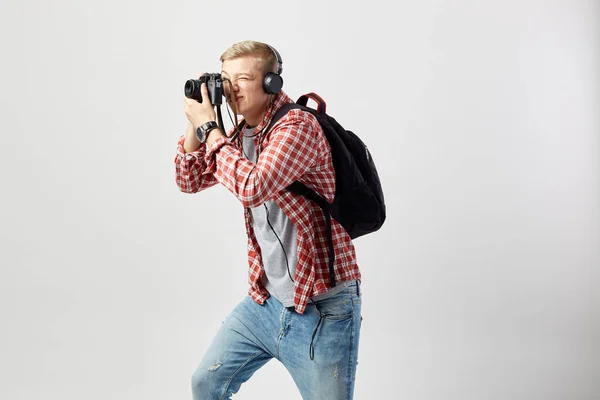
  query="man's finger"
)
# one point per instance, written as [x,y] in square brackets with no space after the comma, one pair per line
[205,98]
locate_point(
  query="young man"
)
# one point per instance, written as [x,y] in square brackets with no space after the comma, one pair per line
[292,313]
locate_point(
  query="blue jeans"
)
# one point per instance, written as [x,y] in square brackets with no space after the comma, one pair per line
[253,334]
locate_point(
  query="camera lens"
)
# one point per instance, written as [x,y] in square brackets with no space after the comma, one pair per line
[190,88]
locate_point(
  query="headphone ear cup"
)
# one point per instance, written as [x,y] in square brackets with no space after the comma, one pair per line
[272,83]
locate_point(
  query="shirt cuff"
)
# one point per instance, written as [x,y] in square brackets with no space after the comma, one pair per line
[210,157]
[186,160]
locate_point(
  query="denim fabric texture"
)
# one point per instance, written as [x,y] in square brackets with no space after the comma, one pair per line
[253,334]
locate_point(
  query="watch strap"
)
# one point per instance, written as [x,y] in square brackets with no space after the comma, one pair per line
[204,129]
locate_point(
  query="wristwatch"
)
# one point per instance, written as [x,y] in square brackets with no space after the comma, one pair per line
[203,130]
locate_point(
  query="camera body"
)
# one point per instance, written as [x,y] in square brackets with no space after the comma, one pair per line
[214,84]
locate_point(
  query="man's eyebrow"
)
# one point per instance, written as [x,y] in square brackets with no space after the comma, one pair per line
[238,74]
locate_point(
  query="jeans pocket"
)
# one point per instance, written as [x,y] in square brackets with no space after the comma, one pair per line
[338,307]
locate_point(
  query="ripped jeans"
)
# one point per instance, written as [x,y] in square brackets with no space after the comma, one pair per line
[253,334]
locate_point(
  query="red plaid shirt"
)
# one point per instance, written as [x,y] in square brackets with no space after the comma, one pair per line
[294,149]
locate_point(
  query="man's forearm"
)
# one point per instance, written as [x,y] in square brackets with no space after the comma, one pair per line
[191,141]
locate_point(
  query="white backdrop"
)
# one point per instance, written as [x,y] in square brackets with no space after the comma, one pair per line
[482,117]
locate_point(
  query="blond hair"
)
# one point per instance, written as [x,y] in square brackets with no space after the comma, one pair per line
[263,54]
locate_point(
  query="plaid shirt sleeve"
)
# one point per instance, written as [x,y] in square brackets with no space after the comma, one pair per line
[191,175]
[292,149]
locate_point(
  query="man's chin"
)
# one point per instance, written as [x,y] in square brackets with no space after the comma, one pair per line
[241,110]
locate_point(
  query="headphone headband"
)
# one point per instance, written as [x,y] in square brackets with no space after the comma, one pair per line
[272,81]
[279,60]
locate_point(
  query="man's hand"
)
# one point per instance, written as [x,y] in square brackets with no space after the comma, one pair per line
[199,113]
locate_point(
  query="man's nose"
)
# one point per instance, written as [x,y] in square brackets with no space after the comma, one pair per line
[230,88]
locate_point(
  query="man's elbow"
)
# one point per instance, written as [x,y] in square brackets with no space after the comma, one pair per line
[255,199]
[186,188]
[250,202]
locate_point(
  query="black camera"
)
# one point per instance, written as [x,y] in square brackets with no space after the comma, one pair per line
[214,84]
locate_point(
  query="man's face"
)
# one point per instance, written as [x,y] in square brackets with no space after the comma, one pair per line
[243,80]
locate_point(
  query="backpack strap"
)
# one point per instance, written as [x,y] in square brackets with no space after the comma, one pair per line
[300,188]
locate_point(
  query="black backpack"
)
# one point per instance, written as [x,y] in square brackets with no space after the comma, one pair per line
[358,204]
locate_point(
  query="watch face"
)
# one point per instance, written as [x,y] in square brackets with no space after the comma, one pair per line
[200,135]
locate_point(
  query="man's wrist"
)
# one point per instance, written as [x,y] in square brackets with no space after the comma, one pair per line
[205,129]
